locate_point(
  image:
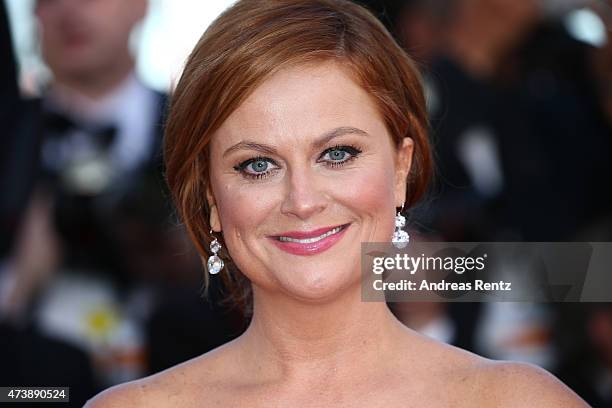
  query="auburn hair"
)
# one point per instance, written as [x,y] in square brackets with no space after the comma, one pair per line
[247,44]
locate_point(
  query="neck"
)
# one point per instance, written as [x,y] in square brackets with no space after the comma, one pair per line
[294,340]
[95,84]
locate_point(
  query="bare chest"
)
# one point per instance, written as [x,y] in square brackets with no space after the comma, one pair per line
[393,395]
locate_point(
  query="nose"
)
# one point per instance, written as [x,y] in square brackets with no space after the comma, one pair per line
[304,195]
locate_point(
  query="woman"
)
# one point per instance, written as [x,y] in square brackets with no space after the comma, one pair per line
[297,130]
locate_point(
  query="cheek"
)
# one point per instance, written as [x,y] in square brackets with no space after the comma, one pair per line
[372,189]
[370,195]
[244,207]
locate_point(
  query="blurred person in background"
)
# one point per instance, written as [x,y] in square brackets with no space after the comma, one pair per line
[97,261]
[512,94]
[461,44]
[520,111]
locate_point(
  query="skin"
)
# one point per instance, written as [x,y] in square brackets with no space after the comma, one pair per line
[86,42]
[312,342]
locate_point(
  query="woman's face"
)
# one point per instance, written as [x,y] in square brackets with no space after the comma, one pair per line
[302,173]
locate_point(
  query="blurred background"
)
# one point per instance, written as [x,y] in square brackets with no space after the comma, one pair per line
[98,282]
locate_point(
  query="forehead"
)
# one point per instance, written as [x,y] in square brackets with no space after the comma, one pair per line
[301,102]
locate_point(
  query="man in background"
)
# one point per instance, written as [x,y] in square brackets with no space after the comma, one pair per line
[97,254]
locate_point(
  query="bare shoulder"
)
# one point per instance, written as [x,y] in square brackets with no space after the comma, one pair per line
[514,384]
[182,385]
[477,381]
[122,395]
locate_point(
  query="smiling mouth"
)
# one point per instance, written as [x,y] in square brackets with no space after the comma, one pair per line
[310,239]
[309,242]
[332,231]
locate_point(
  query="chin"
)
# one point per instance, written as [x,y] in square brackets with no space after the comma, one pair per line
[319,284]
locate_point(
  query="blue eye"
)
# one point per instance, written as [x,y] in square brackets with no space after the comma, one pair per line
[339,155]
[257,167]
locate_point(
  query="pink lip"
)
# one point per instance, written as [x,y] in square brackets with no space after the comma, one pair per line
[311,248]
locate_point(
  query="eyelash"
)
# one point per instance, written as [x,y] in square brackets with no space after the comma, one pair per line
[352,150]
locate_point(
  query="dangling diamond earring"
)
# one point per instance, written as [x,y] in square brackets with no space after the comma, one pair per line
[400,237]
[215,264]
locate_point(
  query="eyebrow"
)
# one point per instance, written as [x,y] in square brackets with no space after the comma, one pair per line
[321,141]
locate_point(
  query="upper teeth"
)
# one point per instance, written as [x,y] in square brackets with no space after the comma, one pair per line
[311,240]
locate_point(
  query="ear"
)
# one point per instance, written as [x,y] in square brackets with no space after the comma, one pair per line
[215,221]
[403,163]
